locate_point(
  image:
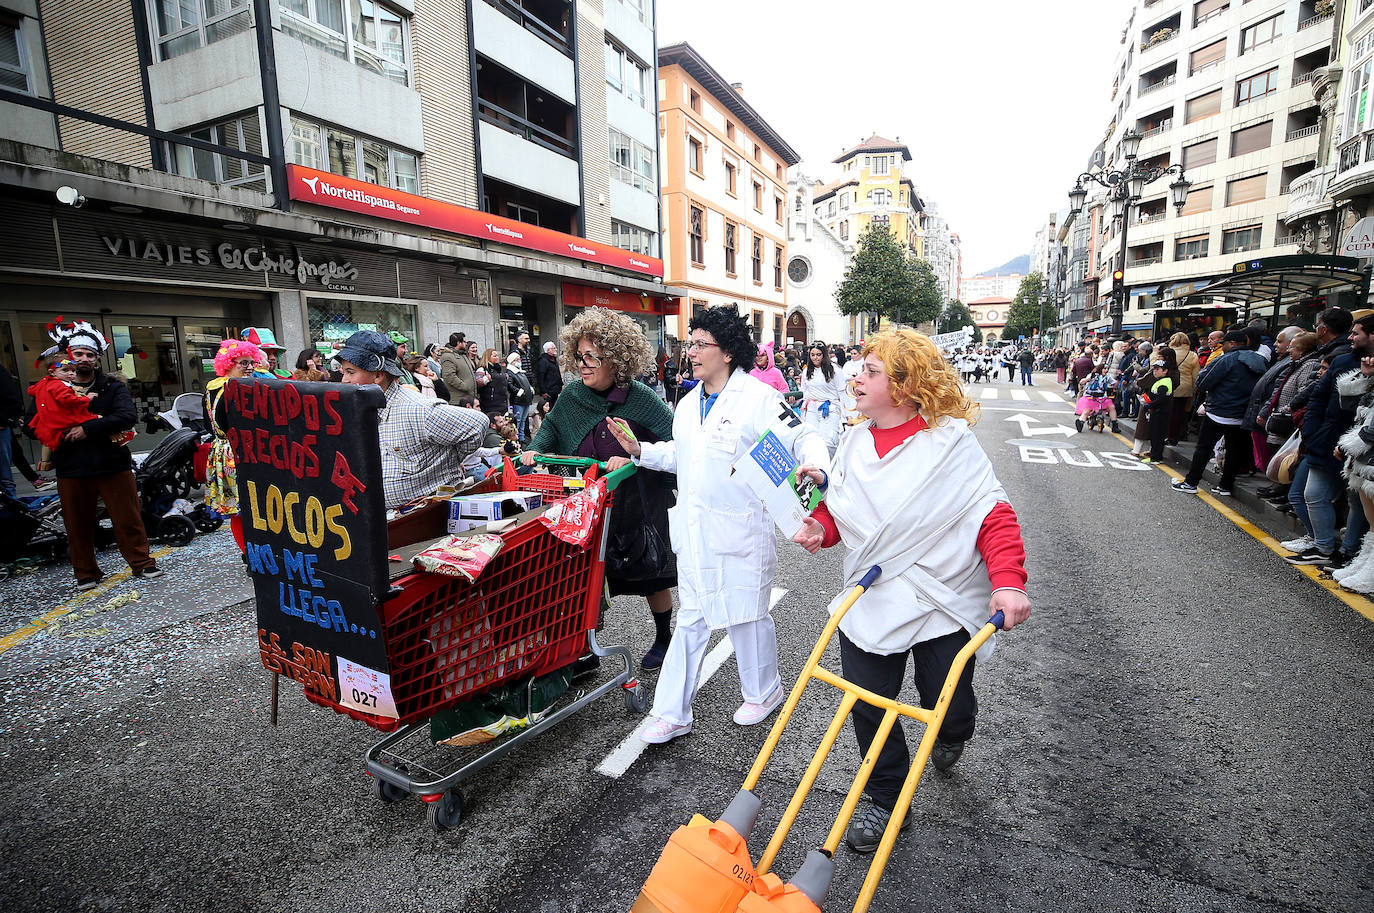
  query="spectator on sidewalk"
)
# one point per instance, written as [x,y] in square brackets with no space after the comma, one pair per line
[1082,366]
[547,375]
[456,369]
[1227,380]
[11,416]
[1264,391]
[1210,348]
[1182,407]
[1317,484]
[1356,449]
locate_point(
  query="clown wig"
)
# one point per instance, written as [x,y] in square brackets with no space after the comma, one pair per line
[231,350]
[919,375]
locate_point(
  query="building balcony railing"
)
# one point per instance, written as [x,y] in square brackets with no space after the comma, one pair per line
[1301,78]
[1205,67]
[1285,240]
[1303,131]
[1155,131]
[534,24]
[1147,217]
[1306,192]
[1313,20]
[1166,81]
[514,123]
[1158,38]
[1146,261]
[1208,17]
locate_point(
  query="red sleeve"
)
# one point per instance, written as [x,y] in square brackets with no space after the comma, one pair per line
[1000,544]
[832,533]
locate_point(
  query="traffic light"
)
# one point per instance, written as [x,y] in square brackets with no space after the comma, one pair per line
[1118,282]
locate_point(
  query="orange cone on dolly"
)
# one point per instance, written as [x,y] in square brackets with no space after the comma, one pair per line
[705,868]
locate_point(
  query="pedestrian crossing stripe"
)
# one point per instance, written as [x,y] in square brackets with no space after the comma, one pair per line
[1021,396]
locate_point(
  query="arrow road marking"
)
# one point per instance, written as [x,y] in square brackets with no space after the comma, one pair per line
[627,752]
[1025,421]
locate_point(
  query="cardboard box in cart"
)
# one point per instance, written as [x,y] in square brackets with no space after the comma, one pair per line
[470,511]
[771,472]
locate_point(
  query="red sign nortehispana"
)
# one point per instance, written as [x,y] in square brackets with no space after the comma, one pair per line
[324,189]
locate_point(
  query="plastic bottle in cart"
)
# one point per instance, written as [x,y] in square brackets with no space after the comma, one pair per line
[705,868]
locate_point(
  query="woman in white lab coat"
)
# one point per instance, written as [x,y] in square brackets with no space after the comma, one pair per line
[821,386]
[720,531]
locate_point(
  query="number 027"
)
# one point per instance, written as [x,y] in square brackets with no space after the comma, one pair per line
[362,697]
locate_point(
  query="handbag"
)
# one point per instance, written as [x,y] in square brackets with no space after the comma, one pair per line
[1285,462]
[1280,424]
[639,552]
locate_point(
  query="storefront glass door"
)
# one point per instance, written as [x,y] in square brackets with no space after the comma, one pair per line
[200,341]
[145,353]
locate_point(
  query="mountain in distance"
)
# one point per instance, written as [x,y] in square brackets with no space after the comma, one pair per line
[1016,265]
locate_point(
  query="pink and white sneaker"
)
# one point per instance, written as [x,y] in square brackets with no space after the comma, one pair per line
[660,731]
[750,714]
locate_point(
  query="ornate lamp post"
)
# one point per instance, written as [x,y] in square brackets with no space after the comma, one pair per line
[1124,189]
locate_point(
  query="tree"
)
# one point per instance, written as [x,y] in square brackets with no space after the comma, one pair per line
[883,280]
[958,318]
[1023,318]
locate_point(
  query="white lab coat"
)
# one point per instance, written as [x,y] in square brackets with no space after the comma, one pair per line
[723,536]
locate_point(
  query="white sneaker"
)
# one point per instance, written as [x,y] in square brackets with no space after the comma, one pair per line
[750,714]
[660,731]
[1300,544]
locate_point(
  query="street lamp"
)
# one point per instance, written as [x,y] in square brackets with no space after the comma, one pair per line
[1125,186]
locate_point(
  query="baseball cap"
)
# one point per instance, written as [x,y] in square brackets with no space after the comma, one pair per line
[371,351]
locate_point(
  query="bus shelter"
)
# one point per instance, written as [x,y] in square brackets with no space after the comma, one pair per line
[1283,290]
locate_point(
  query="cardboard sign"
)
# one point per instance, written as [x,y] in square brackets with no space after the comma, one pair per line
[771,473]
[309,472]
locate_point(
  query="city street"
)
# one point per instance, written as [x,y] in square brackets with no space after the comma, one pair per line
[1183,724]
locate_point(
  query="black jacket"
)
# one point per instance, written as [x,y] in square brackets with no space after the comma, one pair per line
[494,395]
[547,376]
[11,403]
[97,455]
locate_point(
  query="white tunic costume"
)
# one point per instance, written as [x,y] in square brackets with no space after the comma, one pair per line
[821,404]
[723,536]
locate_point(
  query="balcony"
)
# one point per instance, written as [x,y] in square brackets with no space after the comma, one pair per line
[1302,78]
[1302,132]
[1158,37]
[1285,240]
[1155,131]
[1147,261]
[1166,81]
[1313,20]
[1145,218]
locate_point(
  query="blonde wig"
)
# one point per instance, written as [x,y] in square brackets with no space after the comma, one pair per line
[918,375]
[619,338]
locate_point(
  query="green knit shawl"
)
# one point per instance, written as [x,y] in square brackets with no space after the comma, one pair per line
[579,409]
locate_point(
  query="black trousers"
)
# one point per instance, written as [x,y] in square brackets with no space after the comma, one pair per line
[883,675]
[1160,413]
[1238,451]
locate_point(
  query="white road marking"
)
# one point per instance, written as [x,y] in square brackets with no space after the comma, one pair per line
[627,752]
[1021,408]
[989,393]
[1020,396]
[1049,397]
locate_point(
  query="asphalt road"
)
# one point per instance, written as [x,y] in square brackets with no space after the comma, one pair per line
[1184,724]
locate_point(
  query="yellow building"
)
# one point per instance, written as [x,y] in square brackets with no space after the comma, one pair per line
[873,189]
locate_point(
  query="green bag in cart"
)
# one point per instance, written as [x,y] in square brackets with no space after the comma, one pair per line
[499,711]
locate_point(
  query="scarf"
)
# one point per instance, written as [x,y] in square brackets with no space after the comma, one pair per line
[579,409]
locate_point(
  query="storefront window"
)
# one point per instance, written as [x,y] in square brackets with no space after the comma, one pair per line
[335,319]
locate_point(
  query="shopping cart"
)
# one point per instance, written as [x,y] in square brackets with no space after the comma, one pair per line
[680,883]
[533,611]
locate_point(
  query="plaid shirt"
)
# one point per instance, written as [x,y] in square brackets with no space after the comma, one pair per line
[424,442]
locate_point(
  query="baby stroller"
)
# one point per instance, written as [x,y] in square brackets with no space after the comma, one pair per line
[31,530]
[172,470]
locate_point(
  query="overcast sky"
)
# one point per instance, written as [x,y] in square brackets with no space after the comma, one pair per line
[1000,101]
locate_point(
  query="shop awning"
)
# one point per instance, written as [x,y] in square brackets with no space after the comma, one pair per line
[582,296]
[1279,281]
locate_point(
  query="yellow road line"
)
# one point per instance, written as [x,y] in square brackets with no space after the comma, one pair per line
[1357,602]
[15,638]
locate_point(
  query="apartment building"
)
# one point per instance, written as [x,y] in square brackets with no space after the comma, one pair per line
[940,248]
[317,166]
[990,285]
[1224,88]
[724,195]
[873,190]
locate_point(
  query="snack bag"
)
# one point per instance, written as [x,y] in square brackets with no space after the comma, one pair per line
[460,556]
[574,519]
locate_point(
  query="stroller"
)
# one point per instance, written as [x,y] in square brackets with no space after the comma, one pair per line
[172,470]
[31,531]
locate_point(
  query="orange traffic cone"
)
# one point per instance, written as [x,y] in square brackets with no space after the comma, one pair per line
[803,894]
[705,868]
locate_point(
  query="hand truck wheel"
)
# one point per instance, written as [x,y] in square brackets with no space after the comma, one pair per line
[445,812]
[636,699]
[386,792]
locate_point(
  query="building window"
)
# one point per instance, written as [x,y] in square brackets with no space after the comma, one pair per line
[340,152]
[830,210]
[758,153]
[1203,106]
[777,210]
[1190,248]
[729,130]
[777,332]
[1251,139]
[730,175]
[1205,57]
[758,197]
[1199,200]
[522,213]
[243,133]
[639,7]
[1240,240]
[880,164]
[633,238]
[731,232]
[694,100]
[757,319]
[1199,154]
[844,201]
[844,230]
[1357,110]
[777,170]
[1255,87]
[694,156]
[695,238]
[632,163]
[14,63]
[798,270]
[881,221]
[1245,190]
[374,38]
[182,26]
[880,197]
[1209,9]
[626,75]
[777,268]
[758,259]
[699,306]
[1261,33]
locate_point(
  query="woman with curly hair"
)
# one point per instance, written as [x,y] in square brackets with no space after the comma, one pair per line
[912,491]
[721,532]
[608,349]
[821,386]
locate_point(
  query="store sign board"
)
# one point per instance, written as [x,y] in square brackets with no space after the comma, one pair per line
[335,275]
[310,498]
[586,296]
[322,188]
[1359,241]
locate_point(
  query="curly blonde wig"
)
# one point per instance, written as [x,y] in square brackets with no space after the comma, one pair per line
[619,338]
[920,376]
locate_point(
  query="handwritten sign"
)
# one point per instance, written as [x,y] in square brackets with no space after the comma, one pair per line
[314,521]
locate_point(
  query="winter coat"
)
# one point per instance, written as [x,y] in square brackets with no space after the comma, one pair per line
[1264,391]
[1296,382]
[495,393]
[1187,372]
[521,393]
[1327,419]
[455,369]
[1357,443]
[97,455]
[547,376]
[1228,380]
